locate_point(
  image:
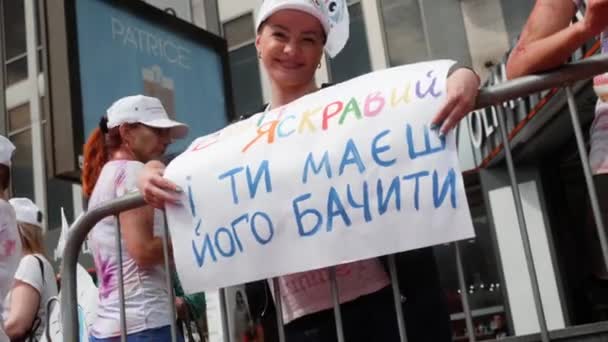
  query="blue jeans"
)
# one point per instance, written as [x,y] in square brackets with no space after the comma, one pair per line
[161,334]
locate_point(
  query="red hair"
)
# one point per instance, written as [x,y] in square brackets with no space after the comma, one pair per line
[96,154]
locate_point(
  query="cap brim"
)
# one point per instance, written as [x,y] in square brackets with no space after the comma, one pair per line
[178,129]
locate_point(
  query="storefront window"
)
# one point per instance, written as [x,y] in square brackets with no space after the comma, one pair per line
[482,275]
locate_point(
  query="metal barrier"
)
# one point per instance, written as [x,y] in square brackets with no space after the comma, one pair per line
[490,96]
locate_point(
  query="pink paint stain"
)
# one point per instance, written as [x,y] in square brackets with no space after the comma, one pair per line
[9,247]
[105,275]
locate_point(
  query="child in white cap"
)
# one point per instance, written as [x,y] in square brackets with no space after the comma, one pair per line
[292,36]
[136,130]
[25,306]
[10,243]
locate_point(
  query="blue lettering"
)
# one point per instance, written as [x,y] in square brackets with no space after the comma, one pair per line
[253,183]
[449,184]
[365,205]
[316,169]
[376,150]
[197,229]
[233,225]
[417,177]
[280,132]
[200,257]
[191,197]
[427,143]
[299,215]
[335,208]
[231,173]
[254,229]
[393,190]
[351,156]
[218,245]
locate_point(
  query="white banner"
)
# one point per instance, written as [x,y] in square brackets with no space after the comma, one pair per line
[347,173]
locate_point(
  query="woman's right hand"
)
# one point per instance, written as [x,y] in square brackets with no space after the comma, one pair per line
[155,188]
[596,17]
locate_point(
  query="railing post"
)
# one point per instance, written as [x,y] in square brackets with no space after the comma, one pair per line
[278,301]
[121,284]
[468,317]
[335,296]
[540,313]
[168,278]
[392,270]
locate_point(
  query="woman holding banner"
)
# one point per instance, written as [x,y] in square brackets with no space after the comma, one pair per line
[291,37]
[136,130]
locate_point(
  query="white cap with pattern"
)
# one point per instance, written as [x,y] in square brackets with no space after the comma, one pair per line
[333,15]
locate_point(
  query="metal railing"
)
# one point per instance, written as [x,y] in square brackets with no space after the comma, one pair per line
[490,96]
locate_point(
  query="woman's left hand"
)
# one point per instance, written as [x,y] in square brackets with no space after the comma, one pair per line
[462,89]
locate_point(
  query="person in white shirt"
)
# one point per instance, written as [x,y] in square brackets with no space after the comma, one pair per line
[25,306]
[136,130]
[10,243]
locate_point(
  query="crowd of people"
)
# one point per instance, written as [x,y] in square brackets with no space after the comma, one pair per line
[124,154]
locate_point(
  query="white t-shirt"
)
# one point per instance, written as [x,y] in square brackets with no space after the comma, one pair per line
[10,252]
[598,154]
[146,298]
[29,272]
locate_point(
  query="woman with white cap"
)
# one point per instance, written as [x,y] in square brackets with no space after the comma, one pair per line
[25,309]
[10,243]
[136,130]
[291,37]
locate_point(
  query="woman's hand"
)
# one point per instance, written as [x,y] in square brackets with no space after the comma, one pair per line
[157,190]
[596,17]
[462,90]
[181,308]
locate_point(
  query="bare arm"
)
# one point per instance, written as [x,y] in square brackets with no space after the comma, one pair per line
[137,232]
[25,301]
[548,39]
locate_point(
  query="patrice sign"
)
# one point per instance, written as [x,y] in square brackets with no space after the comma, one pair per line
[347,173]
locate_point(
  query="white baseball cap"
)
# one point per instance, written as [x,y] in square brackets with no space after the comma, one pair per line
[27,211]
[333,15]
[6,151]
[145,110]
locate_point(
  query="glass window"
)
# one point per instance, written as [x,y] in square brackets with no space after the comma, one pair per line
[239,31]
[353,60]
[14,28]
[59,195]
[246,88]
[22,168]
[244,66]
[482,275]
[16,70]
[404,31]
[19,117]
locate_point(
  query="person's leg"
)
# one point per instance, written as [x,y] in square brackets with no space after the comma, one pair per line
[371,318]
[425,308]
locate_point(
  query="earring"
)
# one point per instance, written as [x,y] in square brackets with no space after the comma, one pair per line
[259,54]
[319,66]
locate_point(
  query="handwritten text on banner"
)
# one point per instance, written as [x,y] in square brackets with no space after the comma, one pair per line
[347,173]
